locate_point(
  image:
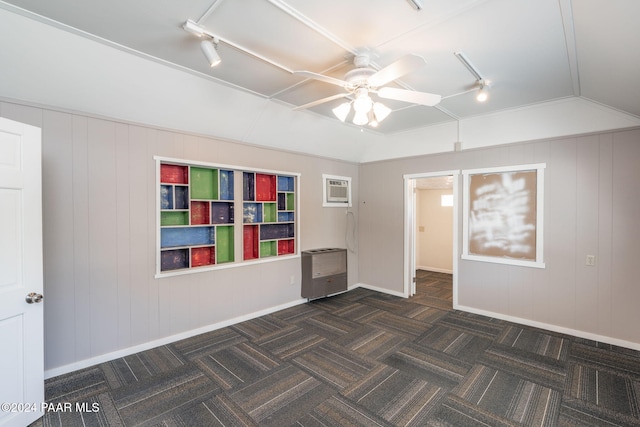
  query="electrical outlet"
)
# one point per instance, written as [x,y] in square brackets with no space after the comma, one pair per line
[292,280]
[591,260]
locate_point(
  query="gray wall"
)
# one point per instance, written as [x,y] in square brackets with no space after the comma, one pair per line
[99,210]
[434,231]
[99,235]
[592,206]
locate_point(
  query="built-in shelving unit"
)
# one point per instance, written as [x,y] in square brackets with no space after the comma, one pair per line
[196,216]
[268,215]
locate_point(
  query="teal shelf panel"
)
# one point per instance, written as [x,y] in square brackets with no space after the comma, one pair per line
[186,236]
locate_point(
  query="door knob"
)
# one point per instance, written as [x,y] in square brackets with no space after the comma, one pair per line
[34,298]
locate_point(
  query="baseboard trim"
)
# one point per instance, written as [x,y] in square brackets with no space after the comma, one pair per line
[85,363]
[554,328]
[377,289]
[434,269]
[65,369]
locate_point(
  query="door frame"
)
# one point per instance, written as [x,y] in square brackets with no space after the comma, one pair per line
[410,229]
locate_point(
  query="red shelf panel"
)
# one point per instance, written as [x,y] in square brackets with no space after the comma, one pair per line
[200,213]
[174,174]
[265,187]
[286,247]
[250,242]
[203,256]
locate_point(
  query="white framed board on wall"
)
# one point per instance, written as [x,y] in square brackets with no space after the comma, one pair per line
[503,215]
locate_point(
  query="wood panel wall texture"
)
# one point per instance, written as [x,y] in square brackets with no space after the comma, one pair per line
[99,235]
[100,229]
[592,207]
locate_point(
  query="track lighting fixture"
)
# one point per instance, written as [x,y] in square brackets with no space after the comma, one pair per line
[473,70]
[483,93]
[193,28]
[417,4]
[210,50]
[209,44]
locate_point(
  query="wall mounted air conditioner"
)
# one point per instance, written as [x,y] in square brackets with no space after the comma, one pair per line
[336,191]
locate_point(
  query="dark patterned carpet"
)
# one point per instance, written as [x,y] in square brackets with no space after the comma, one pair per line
[362,359]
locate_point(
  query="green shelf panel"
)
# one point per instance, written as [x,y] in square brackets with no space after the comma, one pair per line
[224,244]
[269,212]
[174,218]
[268,249]
[291,202]
[204,183]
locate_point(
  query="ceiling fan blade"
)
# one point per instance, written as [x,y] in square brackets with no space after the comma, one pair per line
[422,98]
[321,101]
[322,78]
[397,69]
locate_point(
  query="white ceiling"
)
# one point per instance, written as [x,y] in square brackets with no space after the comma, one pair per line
[532,51]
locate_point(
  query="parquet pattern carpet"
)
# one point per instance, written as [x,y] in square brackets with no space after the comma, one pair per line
[362,359]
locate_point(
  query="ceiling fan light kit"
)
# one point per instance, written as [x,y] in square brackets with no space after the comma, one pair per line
[366,112]
[365,80]
[359,83]
[361,118]
[363,102]
[342,111]
[380,111]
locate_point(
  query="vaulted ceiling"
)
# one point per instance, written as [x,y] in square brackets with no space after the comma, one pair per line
[530,51]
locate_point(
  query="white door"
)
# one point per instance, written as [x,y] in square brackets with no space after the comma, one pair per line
[21,326]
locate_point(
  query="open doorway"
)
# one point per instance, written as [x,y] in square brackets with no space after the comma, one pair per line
[431,235]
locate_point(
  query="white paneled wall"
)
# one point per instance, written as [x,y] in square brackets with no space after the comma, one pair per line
[99,191]
[592,207]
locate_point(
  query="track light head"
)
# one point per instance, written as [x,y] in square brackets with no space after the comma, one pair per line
[210,50]
[483,93]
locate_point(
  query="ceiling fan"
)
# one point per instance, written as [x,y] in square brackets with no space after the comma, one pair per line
[364,80]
